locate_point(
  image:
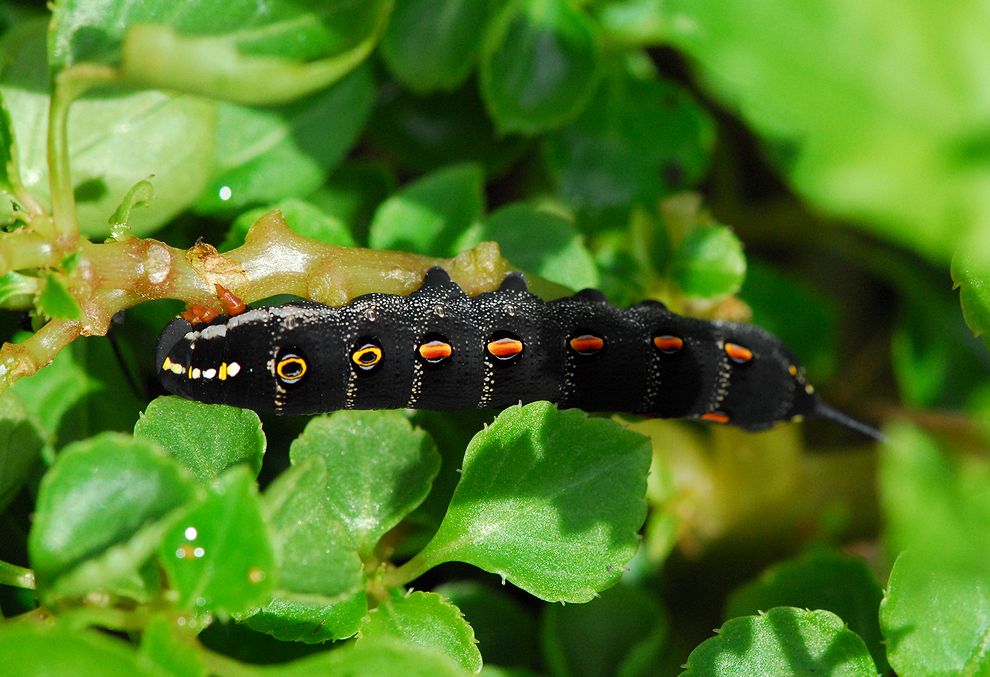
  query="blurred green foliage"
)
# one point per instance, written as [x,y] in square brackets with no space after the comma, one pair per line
[818,166]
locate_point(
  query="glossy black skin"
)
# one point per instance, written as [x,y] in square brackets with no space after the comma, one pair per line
[629,374]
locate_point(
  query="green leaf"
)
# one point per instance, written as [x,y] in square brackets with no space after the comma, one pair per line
[303,217]
[428,133]
[382,468]
[934,617]
[539,65]
[822,579]
[709,263]
[425,619]
[539,242]
[640,139]
[607,636]
[103,502]
[934,502]
[382,656]
[82,392]
[428,215]
[20,446]
[352,193]
[59,649]
[836,91]
[505,630]
[104,130]
[291,619]
[10,179]
[936,604]
[801,315]
[237,50]
[971,275]
[784,641]
[207,439]
[218,557]
[266,154]
[170,644]
[316,553]
[531,506]
[57,302]
[633,22]
[320,592]
[433,44]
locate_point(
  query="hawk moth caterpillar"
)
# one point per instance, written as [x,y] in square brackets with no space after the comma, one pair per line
[437,348]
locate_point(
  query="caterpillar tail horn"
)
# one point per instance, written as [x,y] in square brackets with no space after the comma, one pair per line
[826,411]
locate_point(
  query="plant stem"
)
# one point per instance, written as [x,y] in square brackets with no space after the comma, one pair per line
[18,577]
[23,359]
[70,84]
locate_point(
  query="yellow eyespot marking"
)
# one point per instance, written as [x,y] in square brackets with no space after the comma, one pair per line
[367,356]
[189,372]
[167,365]
[668,344]
[715,417]
[177,368]
[792,370]
[435,351]
[223,371]
[737,353]
[587,344]
[505,348]
[291,368]
[810,389]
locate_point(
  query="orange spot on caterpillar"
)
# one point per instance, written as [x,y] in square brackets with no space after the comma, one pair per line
[505,348]
[587,344]
[715,417]
[198,314]
[668,344]
[738,353]
[231,303]
[435,351]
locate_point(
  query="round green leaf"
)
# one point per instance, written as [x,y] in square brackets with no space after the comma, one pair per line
[37,650]
[320,593]
[174,133]
[171,645]
[783,641]
[20,446]
[311,621]
[428,215]
[432,44]
[428,133]
[83,391]
[709,262]
[837,93]
[539,242]
[971,275]
[382,468]
[539,65]
[640,139]
[823,579]
[598,638]
[425,619]
[101,493]
[266,154]
[316,554]
[381,656]
[218,557]
[205,438]
[934,616]
[532,505]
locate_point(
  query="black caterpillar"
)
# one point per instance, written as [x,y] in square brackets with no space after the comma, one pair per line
[439,349]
